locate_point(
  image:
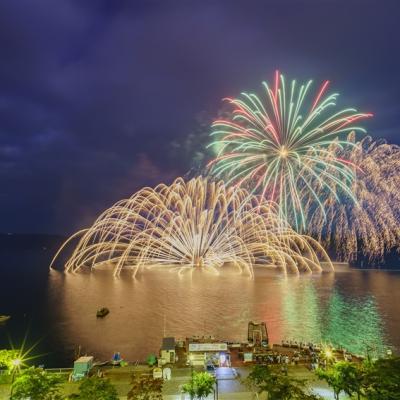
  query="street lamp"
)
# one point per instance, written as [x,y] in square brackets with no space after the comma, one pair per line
[328,357]
[328,353]
[191,374]
[16,363]
[191,365]
[216,389]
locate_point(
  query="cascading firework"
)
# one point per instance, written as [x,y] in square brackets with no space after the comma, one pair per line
[280,146]
[370,225]
[199,223]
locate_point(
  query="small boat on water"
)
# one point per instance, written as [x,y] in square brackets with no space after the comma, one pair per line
[102,312]
[4,318]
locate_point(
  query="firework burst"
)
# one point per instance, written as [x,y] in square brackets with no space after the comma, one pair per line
[279,145]
[199,223]
[371,224]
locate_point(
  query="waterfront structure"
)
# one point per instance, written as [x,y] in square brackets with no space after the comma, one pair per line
[201,351]
[82,367]
[168,353]
[257,333]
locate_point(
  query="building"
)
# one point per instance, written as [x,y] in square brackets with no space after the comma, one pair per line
[168,352]
[201,352]
[82,366]
[257,334]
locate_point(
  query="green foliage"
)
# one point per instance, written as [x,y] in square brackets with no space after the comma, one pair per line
[343,376]
[377,380]
[6,358]
[381,380]
[96,388]
[36,384]
[352,377]
[144,387]
[333,378]
[277,385]
[200,386]
[151,360]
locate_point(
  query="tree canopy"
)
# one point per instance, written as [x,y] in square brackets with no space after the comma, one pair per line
[200,386]
[277,385]
[381,379]
[371,380]
[96,388]
[7,357]
[36,384]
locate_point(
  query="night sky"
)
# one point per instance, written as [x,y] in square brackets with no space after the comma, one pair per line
[99,98]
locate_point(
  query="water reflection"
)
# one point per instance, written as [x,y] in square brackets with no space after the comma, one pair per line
[343,308]
[355,323]
[322,314]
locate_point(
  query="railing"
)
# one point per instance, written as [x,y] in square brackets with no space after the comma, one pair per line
[59,370]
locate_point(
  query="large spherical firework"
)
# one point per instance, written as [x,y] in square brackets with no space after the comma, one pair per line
[279,145]
[199,223]
[371,225]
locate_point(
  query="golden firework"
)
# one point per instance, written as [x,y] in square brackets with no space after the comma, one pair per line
[199,223]
[371,224]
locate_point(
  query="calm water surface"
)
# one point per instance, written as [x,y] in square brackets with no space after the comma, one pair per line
[358,309]
[354,308]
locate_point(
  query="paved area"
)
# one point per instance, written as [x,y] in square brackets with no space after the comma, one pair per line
[230,384]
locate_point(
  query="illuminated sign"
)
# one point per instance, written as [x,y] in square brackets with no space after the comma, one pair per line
[208,347]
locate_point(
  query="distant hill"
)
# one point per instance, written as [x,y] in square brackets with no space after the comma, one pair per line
[29,241]
[391,260]
[21,251]
[17,247]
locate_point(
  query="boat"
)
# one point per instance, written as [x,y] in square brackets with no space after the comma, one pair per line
[102,312]
[4,318]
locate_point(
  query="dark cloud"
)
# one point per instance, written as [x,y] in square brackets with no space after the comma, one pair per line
[99,98]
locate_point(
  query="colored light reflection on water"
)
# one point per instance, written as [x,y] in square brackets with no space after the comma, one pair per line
[340,320]
[352,308]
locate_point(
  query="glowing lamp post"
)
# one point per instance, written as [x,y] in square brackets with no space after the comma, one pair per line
[16,364]
[191,358]
[329,358]
[328,354]
[216,388]
[191,365]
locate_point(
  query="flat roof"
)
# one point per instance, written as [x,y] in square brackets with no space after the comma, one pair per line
[168,343]
[84,359]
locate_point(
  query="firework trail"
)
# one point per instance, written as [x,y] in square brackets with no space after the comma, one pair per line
[199,223]
[279,145]
[371,224]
